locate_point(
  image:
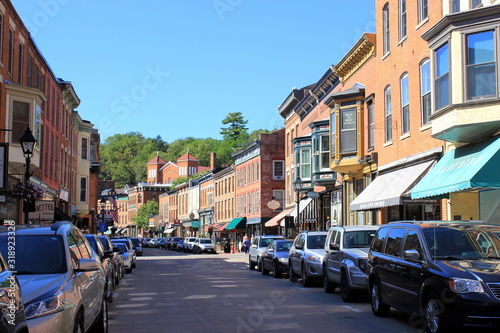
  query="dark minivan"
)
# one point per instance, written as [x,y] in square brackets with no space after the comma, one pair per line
[441,273]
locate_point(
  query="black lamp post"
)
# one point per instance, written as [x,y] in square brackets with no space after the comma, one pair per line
[297,187]
[28,143]
[102,205]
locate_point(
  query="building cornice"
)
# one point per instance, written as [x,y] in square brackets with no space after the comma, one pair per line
[363,51]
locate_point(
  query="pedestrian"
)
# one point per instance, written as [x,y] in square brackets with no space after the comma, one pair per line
[246,245]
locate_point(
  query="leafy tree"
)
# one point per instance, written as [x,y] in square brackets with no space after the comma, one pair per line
[150,208]
[236,133]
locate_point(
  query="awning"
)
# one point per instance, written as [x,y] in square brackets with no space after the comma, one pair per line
[475,166]
[220,226]
[169,230]
[275,221]
[387,189]
[195,224]
[254,220]
[302,205]
[237,223]
[59,215]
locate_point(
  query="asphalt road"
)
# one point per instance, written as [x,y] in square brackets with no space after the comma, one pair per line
[178,292]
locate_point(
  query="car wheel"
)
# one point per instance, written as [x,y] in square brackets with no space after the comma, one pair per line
[128,270]
[264,270]
[251,265]
[259,264]
[306,280]
[434,312]
[109,292]
[347,294]
[101,326]
[276,271]
[379,308]
[291,275]
[328,286]
[78,326]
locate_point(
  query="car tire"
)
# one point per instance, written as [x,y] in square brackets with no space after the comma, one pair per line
[251,265]
[78,326]
[328,286]
[259,264]
[101,325]
[128,270]
[306,280]
[434,310]
[264,270]
[347,294]
[276,271]
[379,308]
[291,274]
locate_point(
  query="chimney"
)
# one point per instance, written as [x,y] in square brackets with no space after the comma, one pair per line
[212,161]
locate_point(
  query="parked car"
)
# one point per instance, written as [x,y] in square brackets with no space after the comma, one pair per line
[446,272]
[127,255]
[306,256]
[62,279]
[275,257]
[137,245]
[145,242]
[116,259]
[345,262]
[130,249]
[107,265]
[174,242]
[161,243]
[188,244]
[204,245]
[151,242]
[12,314]
[180,246]
[259,244]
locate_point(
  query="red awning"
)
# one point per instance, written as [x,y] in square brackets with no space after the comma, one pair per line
[275,221]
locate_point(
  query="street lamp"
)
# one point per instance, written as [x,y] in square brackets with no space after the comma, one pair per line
[28,143]
[102,205]
[297,187]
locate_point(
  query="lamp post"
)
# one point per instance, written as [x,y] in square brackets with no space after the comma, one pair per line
[102,206]
[297,187]
[28,143]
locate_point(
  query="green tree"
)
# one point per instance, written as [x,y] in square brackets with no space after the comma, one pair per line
[236,134]
[150,208]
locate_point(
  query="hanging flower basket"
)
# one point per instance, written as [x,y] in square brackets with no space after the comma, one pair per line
[27,192]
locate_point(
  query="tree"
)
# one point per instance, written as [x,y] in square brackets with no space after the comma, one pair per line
[150,208]
[236,133]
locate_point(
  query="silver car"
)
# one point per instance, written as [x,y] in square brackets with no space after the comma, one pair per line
[204,245]
[61,278]
[306,256]
[257,247]
[345,262]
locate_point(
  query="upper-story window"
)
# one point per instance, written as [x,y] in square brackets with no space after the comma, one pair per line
[333,133]
[83,189]
[371,124]
[475,3]
[481,65]
[455,6]
[425,90]
[11,52]
[85,148]
[423,10]
[442,83]
[324,152]
[385,20]
[405,104]
[20,118]
[348,131]
[278,170]
[388,113]
[402,19]
[305,163]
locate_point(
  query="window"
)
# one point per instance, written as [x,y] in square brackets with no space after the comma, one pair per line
[11,52]
[85,145]
[333,131]
[475,3]
[423,10]
[455,6]
[20,119]
[279,195]
[371,125]
[405,104]
[305,163]
[402,19]
[83,189]
[348,135]
[324,153]
[278,170]
[394,239]
[412,242]
[442,83]
[480,65]
[20,64]
[385,18]
[388,114]
[1,37]
[425,90]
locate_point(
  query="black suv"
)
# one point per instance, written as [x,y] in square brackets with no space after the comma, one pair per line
[442,273]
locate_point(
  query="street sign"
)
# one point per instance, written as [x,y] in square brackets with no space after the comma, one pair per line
[103,227]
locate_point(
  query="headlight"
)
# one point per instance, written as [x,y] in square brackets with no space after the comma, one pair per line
[283,260]
[363,265]
[466,286]
[313,258]
[47,306]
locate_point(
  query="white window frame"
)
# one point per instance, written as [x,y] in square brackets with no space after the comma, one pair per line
[281,175]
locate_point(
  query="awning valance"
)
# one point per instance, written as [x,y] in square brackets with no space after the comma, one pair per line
[387,189]
[474,166]
[237,223]
[302,205]
[275,221]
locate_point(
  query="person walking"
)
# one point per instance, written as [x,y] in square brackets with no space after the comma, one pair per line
[246,245]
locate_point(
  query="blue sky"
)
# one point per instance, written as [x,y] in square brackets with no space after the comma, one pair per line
[177,68]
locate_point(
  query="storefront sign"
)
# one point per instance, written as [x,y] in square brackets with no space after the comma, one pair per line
[44,211]
[273,204]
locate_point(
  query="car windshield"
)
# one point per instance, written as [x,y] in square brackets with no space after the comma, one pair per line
[122,247]
[105,243]
[316,241]
[136,241]
[118,243]
[205,241]
[36,254]
[463,241]
[264,242]
[358,239]
[283,246]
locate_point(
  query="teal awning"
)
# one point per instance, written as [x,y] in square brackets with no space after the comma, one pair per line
[195,224]
[474,166]
[237,223]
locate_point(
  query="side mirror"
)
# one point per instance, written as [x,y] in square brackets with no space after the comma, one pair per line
[411,255]
[298,247]
[334,246]
[107,254]
[85,265]
[270,250]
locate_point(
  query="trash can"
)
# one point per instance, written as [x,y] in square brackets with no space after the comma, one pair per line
[227,247]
